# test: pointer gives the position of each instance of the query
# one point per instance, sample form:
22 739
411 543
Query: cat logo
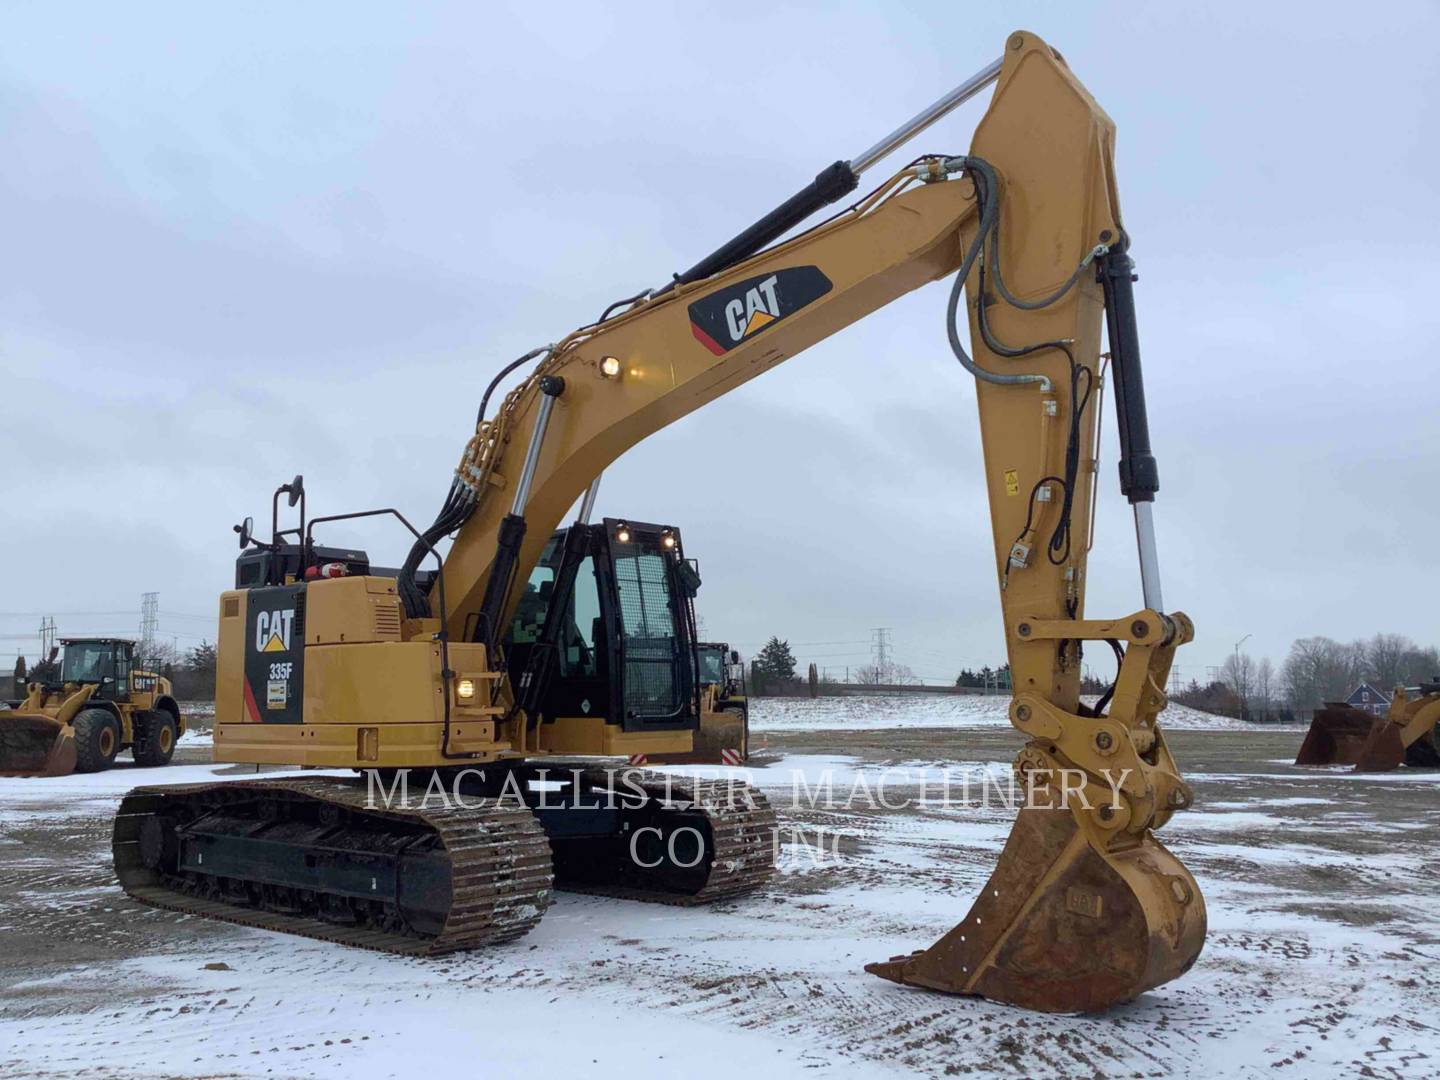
759 307
731 316
272 630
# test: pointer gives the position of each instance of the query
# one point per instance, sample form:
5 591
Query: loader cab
605 628
107 662
720 667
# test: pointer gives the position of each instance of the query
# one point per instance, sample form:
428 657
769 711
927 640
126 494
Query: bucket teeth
1062 926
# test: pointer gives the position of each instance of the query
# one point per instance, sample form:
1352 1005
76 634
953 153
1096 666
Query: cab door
652 648
122 661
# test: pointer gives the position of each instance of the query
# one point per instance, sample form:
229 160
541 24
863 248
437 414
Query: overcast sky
250 241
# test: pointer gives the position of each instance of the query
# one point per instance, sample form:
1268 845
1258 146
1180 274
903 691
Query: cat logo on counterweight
272 630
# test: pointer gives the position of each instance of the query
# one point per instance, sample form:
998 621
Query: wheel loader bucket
1064 926
1344 735
34 744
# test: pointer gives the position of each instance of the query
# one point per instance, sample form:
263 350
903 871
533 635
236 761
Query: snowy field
930 711
1323 958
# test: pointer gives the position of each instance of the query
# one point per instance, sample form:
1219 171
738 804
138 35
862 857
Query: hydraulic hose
985 189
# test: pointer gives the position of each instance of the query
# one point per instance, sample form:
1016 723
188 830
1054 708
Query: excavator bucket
1066 926
34 744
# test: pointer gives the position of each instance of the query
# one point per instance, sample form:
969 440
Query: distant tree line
986 678
1315 671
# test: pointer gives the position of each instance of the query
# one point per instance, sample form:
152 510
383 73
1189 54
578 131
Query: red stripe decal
250 706
706 340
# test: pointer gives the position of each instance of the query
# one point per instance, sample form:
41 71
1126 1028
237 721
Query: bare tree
1385 656
1320 669
870 675
1265 685
1419 666
903 675
1238 673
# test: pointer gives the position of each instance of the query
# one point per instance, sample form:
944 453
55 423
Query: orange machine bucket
34 744
1066 926
1344 735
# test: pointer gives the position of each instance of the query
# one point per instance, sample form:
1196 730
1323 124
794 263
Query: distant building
1368 698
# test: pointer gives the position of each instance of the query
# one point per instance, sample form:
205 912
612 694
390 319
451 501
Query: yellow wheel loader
406 675
78 715
1341 734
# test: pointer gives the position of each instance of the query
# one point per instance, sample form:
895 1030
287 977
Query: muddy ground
1323 959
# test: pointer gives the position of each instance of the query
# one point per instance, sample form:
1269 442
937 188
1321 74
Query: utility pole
1242 680
149 622
47 636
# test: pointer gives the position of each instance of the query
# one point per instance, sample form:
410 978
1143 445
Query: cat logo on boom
272 630
732 315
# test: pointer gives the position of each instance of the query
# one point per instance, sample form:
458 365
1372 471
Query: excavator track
453 877
736 819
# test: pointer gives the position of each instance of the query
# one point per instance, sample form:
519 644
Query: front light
622 533
667 539
610 367
465 689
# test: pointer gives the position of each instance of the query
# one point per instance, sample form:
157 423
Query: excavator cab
605 631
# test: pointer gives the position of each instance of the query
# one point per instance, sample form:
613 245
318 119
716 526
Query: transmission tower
47 636
880 650
149 621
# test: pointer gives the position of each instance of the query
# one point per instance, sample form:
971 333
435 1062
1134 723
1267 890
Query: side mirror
688 577
246 529
734 656
296 488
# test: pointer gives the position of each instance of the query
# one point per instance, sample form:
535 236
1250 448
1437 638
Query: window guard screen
648 623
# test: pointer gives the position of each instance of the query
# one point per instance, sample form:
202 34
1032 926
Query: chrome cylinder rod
1149 558
551 387
923 119
587 504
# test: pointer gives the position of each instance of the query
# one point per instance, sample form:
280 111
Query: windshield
712 664
87 662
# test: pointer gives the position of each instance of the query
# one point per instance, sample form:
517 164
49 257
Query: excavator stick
1062 926
34 744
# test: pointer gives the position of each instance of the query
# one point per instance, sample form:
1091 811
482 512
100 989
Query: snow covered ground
1321 960
929 711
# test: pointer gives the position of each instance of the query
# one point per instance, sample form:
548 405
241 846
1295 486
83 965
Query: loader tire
97 740
155 737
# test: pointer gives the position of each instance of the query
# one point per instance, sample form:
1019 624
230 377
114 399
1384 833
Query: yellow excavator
1341 734
404 675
